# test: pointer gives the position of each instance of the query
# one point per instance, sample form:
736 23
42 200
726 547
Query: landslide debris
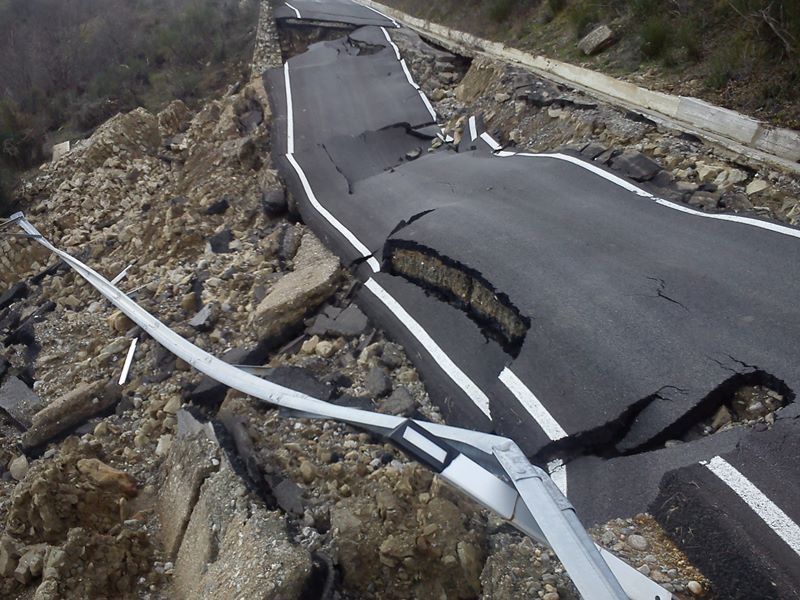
140 501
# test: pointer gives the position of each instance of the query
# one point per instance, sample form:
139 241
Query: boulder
351 322
705 200
756 186
235 548
190 461
299 292
597 40
274 201
14 293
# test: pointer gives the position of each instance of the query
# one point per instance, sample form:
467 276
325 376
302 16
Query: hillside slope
741 54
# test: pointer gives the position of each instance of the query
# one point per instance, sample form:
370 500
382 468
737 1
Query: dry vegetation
743 54
66 66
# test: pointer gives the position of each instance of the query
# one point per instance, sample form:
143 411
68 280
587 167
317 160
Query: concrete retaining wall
728 128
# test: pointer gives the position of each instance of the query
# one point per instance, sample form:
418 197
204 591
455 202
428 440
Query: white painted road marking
460 378
774 227
770 513
297 12
558 473
396 51
408 74
409 77
289 110
312 198
128 360
532 404
338 225
782 229
395 23
491 141
473 130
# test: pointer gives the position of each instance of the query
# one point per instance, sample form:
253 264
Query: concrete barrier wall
722 123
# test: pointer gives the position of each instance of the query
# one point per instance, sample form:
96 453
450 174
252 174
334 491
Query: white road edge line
408 74
774 227
440 357
289 110
460 378
558 473
427 104
312 198
396 53
532 404
395 23
770 513
409 77
128 360
297 12
348 235
473 130
733 218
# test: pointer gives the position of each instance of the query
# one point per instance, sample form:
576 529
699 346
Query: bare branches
773 16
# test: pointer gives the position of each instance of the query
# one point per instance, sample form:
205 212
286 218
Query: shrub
656 37
724 63
644 9
582 15
688 37
556 6
500 10
6 186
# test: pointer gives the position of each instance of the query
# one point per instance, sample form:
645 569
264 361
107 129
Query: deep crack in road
535 276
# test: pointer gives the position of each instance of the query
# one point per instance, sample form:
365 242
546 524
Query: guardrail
730 129
490 469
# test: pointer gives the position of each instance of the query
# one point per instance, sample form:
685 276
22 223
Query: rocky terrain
533 114
171 486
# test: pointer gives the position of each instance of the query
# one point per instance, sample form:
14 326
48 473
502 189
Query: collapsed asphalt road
549 300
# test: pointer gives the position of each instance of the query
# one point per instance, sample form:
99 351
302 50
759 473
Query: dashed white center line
766 509
491 141
531 403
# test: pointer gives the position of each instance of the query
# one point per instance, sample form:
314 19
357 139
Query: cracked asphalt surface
641 317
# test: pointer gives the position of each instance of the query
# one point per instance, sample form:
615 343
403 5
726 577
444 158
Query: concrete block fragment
82 403
191 460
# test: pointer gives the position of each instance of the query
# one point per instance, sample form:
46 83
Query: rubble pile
169 485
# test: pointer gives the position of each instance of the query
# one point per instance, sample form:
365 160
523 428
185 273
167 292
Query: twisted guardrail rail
492 470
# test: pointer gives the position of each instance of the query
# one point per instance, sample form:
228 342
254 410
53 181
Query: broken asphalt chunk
350 322
18 400
636 165
14 293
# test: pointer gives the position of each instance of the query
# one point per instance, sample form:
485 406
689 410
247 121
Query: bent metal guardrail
490 469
